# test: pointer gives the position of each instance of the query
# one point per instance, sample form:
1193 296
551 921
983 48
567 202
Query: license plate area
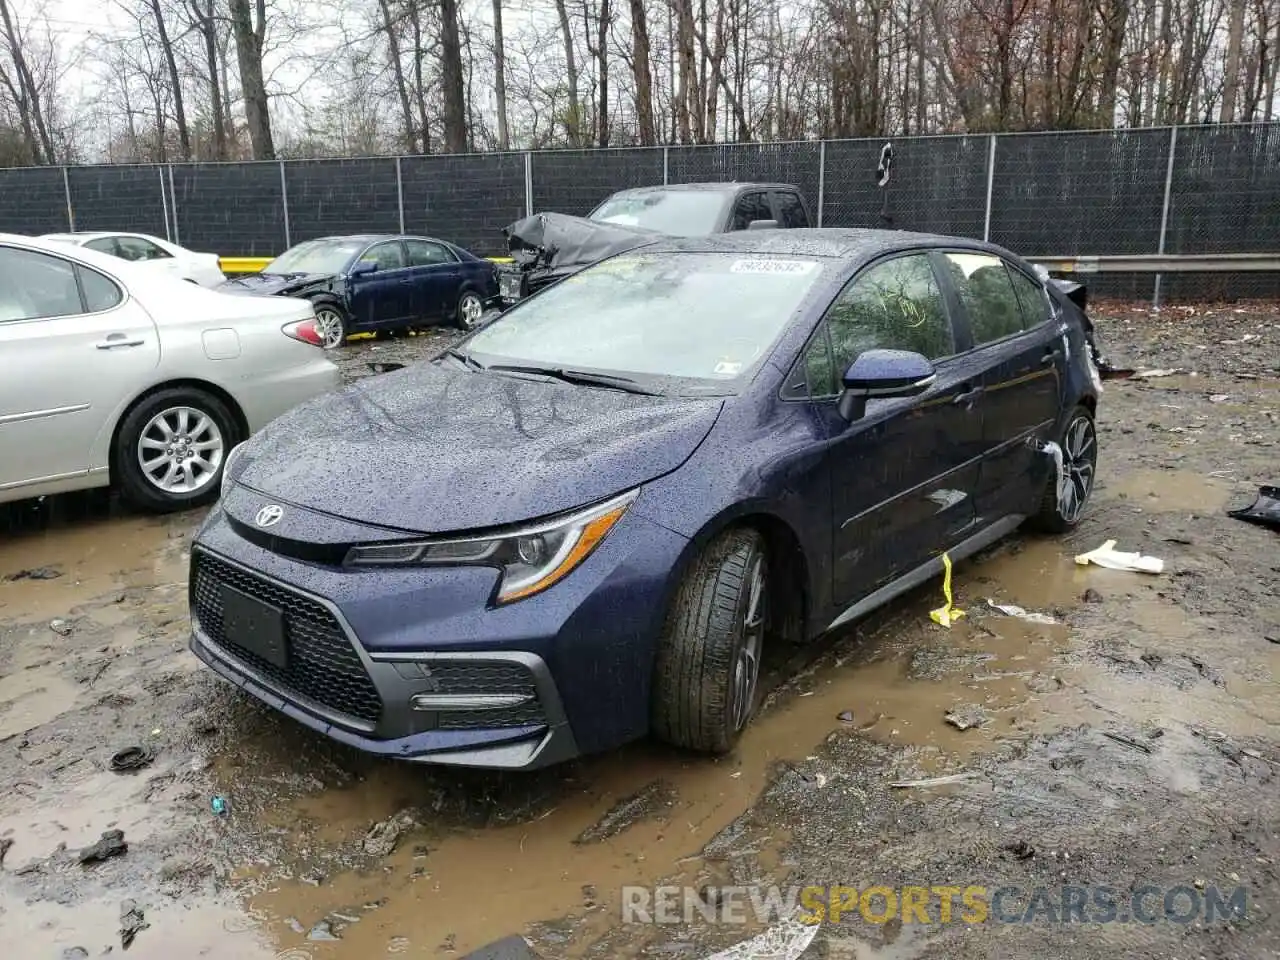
254 626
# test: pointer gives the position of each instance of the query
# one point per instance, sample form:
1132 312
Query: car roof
843 243
373 237
731 186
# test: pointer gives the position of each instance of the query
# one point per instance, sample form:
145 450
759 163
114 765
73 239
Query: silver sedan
110 374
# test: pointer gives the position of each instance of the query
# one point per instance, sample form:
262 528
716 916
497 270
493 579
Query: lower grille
322 665
485 676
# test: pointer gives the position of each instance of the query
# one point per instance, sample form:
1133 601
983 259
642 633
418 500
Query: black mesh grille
485 676
323 666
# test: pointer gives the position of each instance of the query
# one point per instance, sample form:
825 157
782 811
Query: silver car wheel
470 310
1080 455
329 327
746 670
180 450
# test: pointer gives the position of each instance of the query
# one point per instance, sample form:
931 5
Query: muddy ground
1133 741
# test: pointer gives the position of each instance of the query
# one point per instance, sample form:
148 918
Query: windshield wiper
582 377
466 359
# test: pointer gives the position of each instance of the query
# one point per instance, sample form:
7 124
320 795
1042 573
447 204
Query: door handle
967 397
115 340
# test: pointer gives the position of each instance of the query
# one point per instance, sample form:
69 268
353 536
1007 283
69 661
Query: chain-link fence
1210 189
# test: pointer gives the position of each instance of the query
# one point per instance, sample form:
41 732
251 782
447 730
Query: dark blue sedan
587 521
377 282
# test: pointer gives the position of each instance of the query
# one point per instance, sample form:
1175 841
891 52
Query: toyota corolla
588 520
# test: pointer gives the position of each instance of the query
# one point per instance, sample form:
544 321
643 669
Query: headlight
531 558
226 468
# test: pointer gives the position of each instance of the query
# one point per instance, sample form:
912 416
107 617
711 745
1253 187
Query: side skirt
929 569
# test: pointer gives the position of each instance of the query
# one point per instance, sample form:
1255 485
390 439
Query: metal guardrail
1163 263
235 265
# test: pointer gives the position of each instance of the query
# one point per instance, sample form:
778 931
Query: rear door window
750 208
424 253
791 213
982 280
36 285
1031 298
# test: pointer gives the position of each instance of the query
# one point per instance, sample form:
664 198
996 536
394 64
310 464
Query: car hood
264 284
557 240
433 450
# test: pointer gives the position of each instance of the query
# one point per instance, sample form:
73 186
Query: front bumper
427 735
412 664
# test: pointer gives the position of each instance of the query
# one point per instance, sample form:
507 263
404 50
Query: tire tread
699 643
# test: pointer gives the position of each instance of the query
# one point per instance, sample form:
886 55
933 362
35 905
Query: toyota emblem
269 515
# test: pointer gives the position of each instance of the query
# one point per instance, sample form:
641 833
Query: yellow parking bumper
235 265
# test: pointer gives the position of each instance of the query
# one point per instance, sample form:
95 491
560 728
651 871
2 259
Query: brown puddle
1181 491
94 558
474 886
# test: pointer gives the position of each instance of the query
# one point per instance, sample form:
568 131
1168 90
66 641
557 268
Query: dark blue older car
377 282
588 520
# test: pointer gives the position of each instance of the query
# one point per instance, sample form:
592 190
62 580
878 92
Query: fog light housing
468 701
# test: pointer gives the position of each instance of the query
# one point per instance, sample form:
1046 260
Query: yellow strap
949 613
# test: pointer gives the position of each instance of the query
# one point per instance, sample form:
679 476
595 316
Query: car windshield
680 322
316 256
679 213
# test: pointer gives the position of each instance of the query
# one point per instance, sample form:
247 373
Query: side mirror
763 225
363 268
883 373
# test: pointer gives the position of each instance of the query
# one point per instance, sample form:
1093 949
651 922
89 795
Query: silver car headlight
531 558
226 468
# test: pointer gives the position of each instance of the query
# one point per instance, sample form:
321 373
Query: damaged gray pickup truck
546 247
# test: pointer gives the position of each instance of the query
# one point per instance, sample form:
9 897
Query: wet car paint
442 450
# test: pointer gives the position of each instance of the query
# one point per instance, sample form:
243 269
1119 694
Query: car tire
331 324
708 661
1079 443
470 310
210 433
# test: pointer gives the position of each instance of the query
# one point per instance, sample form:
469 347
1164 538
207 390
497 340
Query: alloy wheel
746 669
470 310
1079 460
329 327
180 450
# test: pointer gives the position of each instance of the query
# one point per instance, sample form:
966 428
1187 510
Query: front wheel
331 325
1064 500
470 310
171 447
708 663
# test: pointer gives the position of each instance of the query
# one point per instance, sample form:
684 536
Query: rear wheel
708 663
171 447
1063 503
331 325
470 310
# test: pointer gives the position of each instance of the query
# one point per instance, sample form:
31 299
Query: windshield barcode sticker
759 265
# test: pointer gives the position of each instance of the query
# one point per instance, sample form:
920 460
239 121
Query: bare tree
249 25
573 117
500 77
455 109
1231 68
19 80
